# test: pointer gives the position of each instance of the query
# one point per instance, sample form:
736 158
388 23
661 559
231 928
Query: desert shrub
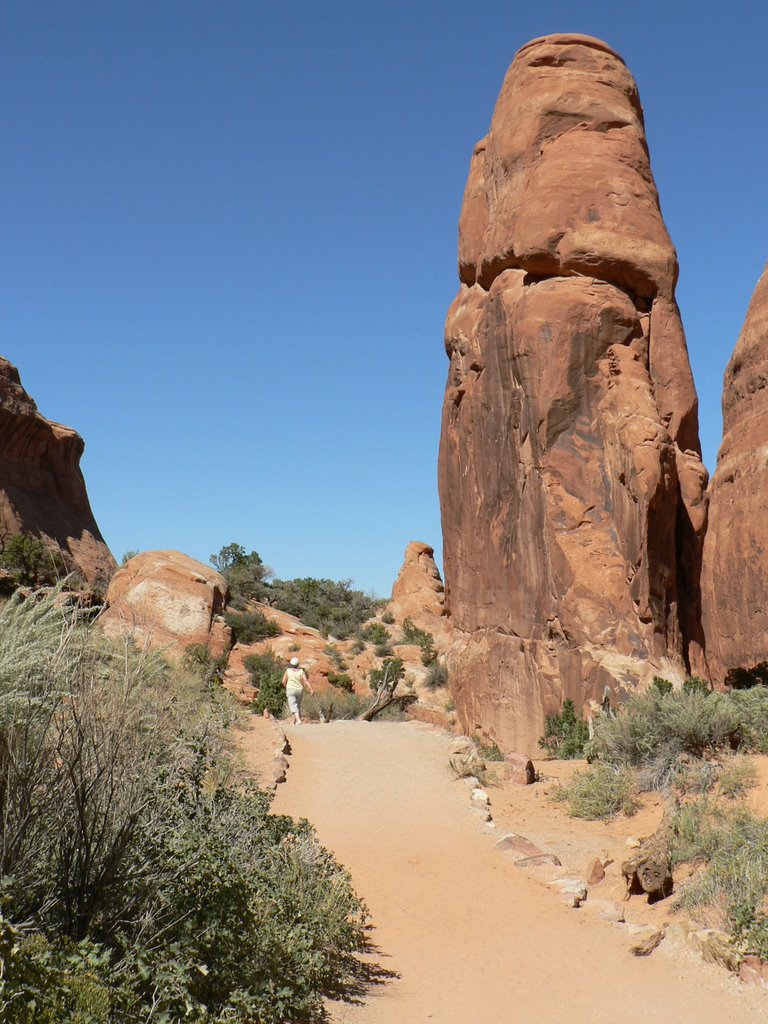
490 751
436 677
391 669
655 727
428 653
388 618
732 889
600 792
341 681
746 678
565 734
335 655
661 685
266 673
426 641
245 573
413 635
128 555
383 650
687 775
737 776
695 684
751 708
331 606
358 646
198 658
31 563
250 627
374 633
333 705
140 879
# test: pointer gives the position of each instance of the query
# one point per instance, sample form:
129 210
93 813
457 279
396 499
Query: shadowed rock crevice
563 465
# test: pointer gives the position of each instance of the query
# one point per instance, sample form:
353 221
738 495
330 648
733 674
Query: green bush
413 635
330 606
246 574
391 669
266 673
198 658
333 652
152 882
662 686
374 633
694 684
751 710
341 681
600 792
565 734
250 627
436 677
656 728
31 563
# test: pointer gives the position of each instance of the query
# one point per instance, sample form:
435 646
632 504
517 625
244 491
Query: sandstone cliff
42 491
735 574
571 483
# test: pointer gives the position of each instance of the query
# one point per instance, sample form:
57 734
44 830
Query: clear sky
229 243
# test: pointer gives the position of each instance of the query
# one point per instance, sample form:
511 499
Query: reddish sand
470 936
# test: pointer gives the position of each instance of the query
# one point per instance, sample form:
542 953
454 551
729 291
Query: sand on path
472 939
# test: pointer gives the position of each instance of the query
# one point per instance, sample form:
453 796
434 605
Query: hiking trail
464 936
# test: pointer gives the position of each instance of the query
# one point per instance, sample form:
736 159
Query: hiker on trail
293 680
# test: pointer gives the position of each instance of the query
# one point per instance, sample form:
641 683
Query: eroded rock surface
735 577
168 600
42 491
418 589
571 483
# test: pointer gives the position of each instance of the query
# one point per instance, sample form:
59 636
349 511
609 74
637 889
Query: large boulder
42 491
168 600
735 575
571 482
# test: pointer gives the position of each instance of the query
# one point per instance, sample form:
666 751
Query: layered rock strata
571 482
735 574
42 491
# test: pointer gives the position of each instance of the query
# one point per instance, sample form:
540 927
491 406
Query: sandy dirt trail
473 940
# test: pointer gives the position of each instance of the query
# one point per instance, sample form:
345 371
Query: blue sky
229 244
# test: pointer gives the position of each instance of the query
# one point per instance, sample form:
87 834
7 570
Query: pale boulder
168 600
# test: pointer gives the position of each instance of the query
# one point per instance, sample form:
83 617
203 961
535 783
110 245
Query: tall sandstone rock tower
735 574
571 482
42 490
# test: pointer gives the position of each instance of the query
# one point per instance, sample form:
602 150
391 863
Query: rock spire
571 482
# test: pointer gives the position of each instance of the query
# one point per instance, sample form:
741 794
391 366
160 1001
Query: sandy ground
464 936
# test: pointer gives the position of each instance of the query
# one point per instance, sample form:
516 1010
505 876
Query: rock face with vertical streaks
42 491
571 482
735 575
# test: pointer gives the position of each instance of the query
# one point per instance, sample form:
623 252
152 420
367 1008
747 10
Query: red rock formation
166 599
735 573
418 589
42 491
571 483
